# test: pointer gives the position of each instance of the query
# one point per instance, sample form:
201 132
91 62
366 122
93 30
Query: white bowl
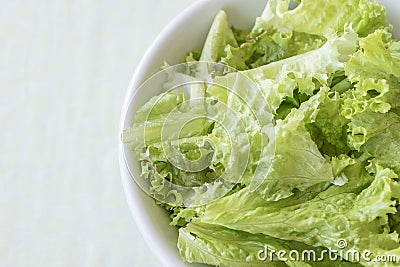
185 33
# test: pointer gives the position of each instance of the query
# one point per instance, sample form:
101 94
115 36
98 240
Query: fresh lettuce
270 46
219 37
305 72
288 137
324 17
360 218
220 246
295 146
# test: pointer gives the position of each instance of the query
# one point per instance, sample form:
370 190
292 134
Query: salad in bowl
278 144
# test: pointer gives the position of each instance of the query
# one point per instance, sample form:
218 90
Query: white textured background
64 68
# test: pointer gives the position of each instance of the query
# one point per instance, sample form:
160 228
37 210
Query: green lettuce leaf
221 246
361 219
245 201
378 135
179 123
297 163
305 72
376 58
169 116
329 130
364 16
269 46
244 124
219 36
376 69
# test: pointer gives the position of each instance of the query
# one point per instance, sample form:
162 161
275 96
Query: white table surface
64 69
